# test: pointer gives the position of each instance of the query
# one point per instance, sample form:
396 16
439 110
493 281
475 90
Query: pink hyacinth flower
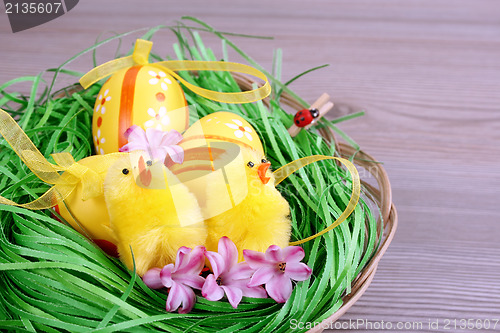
180 278
276 268
229 277
158 144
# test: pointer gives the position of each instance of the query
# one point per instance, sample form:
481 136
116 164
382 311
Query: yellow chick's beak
144 173
262 172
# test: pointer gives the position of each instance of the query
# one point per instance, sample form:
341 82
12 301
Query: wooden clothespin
308 117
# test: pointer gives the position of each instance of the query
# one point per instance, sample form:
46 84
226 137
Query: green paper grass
52 279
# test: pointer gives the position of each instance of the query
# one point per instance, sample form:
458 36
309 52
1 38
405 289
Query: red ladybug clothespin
304 117
308 117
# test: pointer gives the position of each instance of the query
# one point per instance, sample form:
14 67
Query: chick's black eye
250 164
149 163
125 171
264 160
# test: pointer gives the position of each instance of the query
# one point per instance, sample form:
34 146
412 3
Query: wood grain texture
427 73
432 282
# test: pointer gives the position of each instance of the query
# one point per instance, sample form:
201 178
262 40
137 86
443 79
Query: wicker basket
382 196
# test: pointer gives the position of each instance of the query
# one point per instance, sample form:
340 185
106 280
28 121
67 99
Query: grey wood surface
427 73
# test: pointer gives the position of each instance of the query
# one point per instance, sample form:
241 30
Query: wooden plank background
428 75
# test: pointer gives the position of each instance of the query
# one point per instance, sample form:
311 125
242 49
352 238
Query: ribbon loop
286 170
78 171
140 57
92 183
250 96
64 160
64 184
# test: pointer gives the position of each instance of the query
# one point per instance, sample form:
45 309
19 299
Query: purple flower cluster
158 144
275 269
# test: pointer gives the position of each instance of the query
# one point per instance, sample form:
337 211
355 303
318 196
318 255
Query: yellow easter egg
222 126
90 217
145 96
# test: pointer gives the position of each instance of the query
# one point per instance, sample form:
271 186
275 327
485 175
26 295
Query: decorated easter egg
222 126
145 96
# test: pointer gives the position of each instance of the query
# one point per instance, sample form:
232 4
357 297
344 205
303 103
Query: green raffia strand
52 279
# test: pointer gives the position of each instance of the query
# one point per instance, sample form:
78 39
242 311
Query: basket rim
390 222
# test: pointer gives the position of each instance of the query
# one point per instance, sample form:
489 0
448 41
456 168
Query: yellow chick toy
154 221
257 222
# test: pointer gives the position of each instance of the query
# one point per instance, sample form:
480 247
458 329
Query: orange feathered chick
145 217
257 222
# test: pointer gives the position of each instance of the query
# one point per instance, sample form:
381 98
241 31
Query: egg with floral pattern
145 96
222 126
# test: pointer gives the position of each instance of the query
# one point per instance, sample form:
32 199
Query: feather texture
257 222
154 221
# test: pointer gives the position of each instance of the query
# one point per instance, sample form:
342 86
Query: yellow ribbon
140 57
286 170
64 184
92 183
